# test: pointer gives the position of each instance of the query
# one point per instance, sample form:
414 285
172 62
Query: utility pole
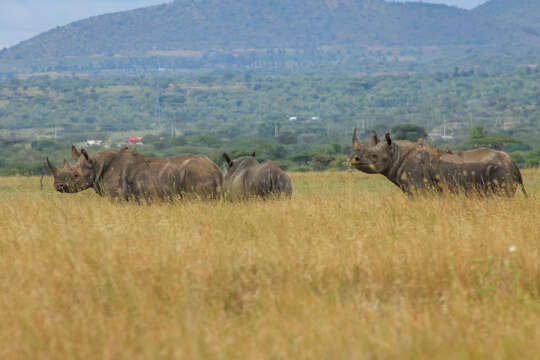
158 100
55 123
159 110
444 127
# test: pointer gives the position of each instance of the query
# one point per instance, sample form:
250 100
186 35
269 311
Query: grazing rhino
247 178
127 175
419 167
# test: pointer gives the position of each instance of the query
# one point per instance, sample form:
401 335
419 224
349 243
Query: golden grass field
349 268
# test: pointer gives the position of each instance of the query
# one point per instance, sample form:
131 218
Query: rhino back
257 180
185 175
484 170
269 180
422 167
236 185
201 177
117 174
410 169
131 175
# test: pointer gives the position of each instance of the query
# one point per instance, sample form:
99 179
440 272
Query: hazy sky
467 4
22 19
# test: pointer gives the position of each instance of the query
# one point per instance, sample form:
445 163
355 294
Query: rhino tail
276 185
519 180
523 190
516 174
285 184
273 186
218 185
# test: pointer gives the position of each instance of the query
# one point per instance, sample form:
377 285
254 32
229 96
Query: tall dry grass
348 268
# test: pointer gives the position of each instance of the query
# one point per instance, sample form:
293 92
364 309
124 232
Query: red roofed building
134 140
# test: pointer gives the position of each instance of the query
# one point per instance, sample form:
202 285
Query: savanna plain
347 268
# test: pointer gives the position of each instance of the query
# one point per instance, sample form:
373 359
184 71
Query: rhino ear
227 159
253 154
355 142
74 153
374 138
388 139
85 154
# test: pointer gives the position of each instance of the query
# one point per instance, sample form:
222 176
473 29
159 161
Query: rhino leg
501 181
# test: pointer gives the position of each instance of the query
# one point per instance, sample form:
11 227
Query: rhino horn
53 168
67 165
355 143
75 153
374 138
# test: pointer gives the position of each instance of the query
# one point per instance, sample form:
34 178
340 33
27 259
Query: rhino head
374 158
240 162
74 178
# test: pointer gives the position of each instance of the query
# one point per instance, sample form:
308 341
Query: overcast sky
467 4
23 19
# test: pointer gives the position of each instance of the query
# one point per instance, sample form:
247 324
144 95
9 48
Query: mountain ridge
523 14
203 26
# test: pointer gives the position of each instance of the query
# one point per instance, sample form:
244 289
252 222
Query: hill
524 15
236 31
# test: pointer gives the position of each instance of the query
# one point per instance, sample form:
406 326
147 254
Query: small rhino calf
247 178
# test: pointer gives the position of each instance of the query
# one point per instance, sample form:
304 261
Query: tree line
304 121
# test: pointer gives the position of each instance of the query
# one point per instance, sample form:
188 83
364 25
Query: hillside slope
522 14
230 25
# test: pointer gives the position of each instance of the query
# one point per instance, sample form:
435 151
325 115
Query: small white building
88 143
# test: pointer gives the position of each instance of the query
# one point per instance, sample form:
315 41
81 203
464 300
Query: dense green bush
409 132
478 137
231 107
150 139
313 114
